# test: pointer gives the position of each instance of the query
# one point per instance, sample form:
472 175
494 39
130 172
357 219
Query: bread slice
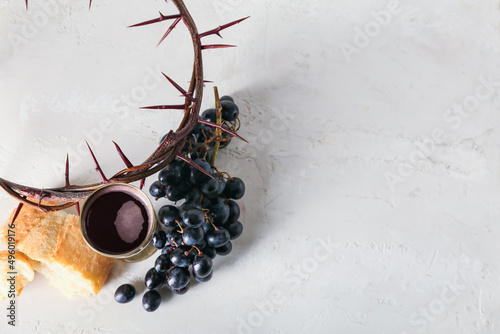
22 268
53 243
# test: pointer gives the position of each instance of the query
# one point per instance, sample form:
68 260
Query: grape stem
218 132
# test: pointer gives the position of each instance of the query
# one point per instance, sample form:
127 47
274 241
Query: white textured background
373 196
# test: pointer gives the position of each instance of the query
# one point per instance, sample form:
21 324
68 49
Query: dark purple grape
125 293
209 115
163 263
159 239
219 212
234 228
154 279
157 189
196 176
210 188
172 174
209 251
151 300
207 227
202 265
178 278
218 238
193 217
204 279
229 111
234 211
235 188
193 235
224 250
174 237
176 192
226 98
168 215
182 256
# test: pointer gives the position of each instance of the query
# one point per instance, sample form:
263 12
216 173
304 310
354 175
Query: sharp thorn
217 30
123 156
175 106
142 183
172 26
161 18
98 168
191 162
66 174
77 208
217 46
26 4
20 206
180 89
90 4
219 126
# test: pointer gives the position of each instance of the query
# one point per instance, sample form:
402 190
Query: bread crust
55 247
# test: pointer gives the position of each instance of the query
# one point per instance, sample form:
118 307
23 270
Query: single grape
219 212
207 227
210 115
234 228
225 249
226 98
151 300
157 189
193 235
234 211
229 111
193 217
182 256
172 174
196 176
168 215
209 251
218 238
159 239
210 188
176 192
174 237
163 263
235 188
202 265
154 279
178 278
125 293
204 279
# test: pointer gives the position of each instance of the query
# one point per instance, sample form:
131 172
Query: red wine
116 222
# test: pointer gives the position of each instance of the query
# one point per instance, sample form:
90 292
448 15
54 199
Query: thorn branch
217 30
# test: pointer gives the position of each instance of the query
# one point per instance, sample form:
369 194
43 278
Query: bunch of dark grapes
206 222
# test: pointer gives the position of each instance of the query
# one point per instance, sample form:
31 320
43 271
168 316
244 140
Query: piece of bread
22 268
55 247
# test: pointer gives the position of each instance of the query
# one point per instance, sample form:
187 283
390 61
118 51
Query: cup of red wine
118 220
